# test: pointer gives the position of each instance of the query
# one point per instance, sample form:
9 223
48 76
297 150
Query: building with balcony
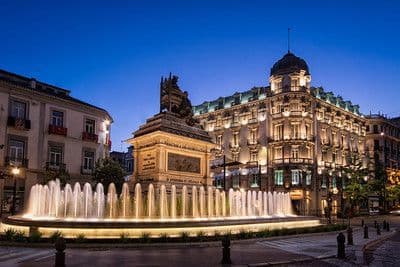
383 144
44 128
287 136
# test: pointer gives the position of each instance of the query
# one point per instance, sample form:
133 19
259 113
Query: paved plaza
302 250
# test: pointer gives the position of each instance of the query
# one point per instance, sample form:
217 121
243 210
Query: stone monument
171 147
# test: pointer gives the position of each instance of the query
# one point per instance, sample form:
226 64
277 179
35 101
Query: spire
288 40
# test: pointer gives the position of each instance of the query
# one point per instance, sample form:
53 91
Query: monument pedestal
169 151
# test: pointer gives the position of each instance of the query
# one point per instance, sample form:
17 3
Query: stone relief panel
182 163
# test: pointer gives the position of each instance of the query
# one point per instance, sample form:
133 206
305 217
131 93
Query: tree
393 194
109 171
356 188
60 174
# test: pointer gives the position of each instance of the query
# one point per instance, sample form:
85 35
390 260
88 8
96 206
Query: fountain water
51 201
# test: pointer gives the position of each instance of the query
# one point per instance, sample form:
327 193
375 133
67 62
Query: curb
299 260
377 241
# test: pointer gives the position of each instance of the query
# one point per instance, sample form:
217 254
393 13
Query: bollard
226 250
362 222
60 254
378 229
350 236
384 224
375 224
387 226
366 231
341 254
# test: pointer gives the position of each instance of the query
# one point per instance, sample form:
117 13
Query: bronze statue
173 100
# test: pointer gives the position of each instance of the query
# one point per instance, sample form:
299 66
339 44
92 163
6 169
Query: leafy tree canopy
109 171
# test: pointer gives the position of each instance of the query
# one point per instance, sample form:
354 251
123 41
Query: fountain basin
154 228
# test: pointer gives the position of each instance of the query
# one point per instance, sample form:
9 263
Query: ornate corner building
286 137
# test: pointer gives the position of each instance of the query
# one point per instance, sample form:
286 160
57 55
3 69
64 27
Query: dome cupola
289 63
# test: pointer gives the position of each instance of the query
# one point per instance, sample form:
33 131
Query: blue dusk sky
113 53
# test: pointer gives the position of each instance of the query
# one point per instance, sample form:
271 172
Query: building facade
383 144
288 136
125 159
46 131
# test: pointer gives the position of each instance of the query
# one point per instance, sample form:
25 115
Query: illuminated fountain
51 202
100 214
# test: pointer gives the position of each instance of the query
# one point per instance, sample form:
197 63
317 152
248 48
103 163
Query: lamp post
14 171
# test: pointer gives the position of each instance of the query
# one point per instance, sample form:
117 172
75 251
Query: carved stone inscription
148 161
181 163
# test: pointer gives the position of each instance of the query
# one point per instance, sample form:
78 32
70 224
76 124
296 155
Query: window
278 132
90 126
88 159
55 155
296 177
278 152
57 118
254 180
295 84
323 182
334 157
278 177
235 181
253 157
18 109
236 139
375 127
308 178
295 131
219 139
295 152
16 150
219 183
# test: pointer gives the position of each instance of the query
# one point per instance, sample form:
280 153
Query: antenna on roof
288 40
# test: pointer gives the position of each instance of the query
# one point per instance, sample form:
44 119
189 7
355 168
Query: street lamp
14 171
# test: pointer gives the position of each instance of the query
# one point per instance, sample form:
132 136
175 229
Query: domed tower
290 73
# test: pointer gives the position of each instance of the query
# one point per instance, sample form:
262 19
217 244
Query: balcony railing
59 130
55 166
91 137
293 161
17 162
18 123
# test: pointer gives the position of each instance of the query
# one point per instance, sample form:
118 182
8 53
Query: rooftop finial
288 40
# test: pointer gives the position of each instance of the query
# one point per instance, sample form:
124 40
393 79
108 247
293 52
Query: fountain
99 214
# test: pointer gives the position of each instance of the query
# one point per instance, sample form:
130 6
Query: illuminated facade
288 137
45 130
383 140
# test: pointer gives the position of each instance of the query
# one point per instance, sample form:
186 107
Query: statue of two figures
174 100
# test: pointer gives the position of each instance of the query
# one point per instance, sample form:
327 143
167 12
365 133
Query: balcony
18 123
90 137
293 161
17 162
58 130
55 166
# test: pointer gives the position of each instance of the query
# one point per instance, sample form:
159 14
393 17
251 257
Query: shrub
19 236
201 236
55 235
124 238
145 237
217 235
242 234
80 238
164 237
35 236
184 236
9 234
